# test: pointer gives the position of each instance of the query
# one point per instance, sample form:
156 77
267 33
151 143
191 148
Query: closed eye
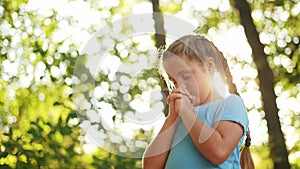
186 76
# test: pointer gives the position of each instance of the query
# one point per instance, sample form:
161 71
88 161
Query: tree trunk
160 40
160 33
277 145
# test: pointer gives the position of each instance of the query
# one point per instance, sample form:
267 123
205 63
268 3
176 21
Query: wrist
171 119
188 117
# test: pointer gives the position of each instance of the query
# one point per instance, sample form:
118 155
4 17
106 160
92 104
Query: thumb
172 110
172 107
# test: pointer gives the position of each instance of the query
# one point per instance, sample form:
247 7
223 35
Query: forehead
177 64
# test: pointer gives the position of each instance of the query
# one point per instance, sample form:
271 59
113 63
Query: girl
203 129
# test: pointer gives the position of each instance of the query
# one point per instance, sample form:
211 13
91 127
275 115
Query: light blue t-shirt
185 155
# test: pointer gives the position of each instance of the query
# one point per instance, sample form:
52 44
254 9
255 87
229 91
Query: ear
210 64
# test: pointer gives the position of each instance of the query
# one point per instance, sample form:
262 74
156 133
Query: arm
156 154
216 143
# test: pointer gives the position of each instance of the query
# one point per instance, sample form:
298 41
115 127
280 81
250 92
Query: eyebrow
179 73
183 71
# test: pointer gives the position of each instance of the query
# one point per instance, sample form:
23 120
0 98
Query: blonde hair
198 47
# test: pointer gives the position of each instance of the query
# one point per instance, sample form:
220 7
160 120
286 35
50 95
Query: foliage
282 48
39 123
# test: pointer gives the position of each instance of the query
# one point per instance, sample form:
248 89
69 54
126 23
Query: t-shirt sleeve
235 110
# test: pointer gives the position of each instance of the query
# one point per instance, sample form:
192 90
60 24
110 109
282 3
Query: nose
183 86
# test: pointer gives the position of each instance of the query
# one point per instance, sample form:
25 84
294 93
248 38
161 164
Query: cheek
194 86
201 86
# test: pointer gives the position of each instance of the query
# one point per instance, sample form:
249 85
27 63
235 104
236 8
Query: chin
198 103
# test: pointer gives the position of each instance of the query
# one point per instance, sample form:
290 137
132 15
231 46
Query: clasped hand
180 102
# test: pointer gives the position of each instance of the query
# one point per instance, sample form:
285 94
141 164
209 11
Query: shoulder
234 103
235 110
234 99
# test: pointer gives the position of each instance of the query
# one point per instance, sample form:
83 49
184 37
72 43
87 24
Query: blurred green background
40 44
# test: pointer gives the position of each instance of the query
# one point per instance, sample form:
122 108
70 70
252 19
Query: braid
229 80
246 160
228 77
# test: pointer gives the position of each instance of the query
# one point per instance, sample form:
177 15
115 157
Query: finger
184 89
193 100
172 108
172 97
190 97
186 92
179 90
168 99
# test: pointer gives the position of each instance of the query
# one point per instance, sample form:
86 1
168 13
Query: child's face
188 74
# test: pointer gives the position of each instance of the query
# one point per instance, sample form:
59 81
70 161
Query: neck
216 95
213 95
